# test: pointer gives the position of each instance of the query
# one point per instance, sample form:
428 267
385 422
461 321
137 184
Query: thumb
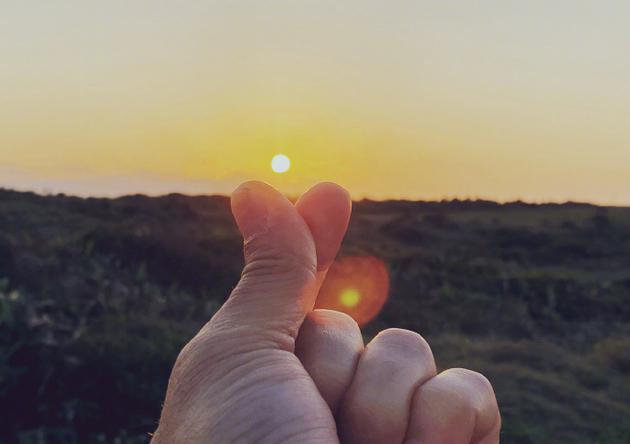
279 282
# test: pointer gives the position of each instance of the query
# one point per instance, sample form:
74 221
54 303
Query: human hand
267 368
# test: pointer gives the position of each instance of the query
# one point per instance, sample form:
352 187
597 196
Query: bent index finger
329 345
326 209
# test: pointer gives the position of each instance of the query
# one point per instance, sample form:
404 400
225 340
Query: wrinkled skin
267 368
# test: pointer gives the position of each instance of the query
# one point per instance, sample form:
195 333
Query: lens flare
350 297
356 285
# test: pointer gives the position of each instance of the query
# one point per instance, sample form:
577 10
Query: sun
280 163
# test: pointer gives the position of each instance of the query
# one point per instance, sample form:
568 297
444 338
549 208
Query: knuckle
338 319
473 395
474 379
405 341
454 402
467 390
463 397
402 349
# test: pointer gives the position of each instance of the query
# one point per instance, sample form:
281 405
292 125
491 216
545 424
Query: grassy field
97 296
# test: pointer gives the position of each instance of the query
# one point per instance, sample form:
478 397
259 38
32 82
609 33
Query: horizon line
293 197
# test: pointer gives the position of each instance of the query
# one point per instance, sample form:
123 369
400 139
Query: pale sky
415 99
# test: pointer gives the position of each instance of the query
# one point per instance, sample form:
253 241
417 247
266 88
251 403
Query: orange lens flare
356 285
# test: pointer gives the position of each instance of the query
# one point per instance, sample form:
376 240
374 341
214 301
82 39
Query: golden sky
415 99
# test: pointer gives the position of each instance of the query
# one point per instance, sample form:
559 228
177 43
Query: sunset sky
392 99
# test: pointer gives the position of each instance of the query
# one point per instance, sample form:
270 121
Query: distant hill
98 295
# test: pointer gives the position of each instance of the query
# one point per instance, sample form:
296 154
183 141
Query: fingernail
250 210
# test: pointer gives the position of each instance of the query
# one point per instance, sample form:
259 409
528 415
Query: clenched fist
267 368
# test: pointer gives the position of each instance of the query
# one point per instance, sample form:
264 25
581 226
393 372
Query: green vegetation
97 296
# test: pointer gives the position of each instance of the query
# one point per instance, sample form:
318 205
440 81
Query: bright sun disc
280 163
